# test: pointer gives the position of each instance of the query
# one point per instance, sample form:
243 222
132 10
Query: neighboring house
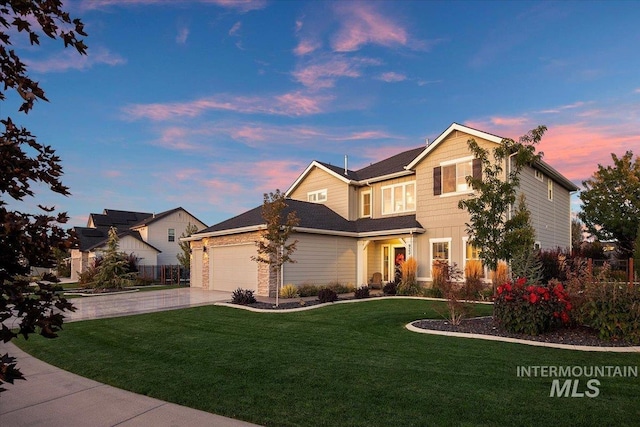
153 238
357 223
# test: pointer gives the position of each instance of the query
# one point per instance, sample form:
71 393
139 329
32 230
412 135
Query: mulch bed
577 335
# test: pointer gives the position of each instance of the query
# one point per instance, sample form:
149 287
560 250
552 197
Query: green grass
348 364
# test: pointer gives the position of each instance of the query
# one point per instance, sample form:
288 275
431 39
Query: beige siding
157 235
322 259
440 215
550 218
146 255
338 193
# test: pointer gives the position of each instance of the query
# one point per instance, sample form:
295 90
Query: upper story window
399 198
365 204
539 175
319 196
451 177
550 189
171 235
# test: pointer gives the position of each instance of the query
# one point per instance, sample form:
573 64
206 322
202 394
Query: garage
231 267
196 268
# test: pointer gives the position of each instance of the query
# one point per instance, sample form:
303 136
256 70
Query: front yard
348 364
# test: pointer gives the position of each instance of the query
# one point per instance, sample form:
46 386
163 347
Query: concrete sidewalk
53 397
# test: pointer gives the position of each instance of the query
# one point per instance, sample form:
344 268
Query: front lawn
348 364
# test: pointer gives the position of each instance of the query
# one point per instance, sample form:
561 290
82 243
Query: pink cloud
392 77
372 134
71 60
288 104
362 24
306 47
112 173
177 138
323 73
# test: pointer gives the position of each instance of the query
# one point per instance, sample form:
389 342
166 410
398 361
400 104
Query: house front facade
357 223
152 238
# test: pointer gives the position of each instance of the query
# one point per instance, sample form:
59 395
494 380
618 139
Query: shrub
144 281
501 275
390 289
439 274
308 290
327 295
613 309
531 309
457 293
289 291
339 288
243 296
473 271
409 283
553 265
362 292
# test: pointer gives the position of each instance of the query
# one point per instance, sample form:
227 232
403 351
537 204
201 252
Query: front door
392 257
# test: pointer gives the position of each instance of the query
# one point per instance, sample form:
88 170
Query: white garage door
231 267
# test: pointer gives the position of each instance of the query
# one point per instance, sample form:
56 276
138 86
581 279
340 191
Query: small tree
520 237
496 193
184 258
576 235
274 247
114 270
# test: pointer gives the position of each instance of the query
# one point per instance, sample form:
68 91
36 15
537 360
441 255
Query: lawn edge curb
632 349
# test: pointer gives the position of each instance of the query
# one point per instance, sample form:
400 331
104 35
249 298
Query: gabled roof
122 220
157 217
541 165
94 238
454 127
314 218
385 169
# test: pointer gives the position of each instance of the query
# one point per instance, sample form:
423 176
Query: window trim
439 189
550 190
539 175
438 240
392 187
171 235
317 193
362 195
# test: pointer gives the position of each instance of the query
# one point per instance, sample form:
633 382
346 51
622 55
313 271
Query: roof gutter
200 236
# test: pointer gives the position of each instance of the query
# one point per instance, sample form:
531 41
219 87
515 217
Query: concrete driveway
99 307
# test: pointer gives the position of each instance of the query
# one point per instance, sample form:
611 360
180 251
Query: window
550 189
172 235
472 256
451 177
319 196
440 251
399 198
365 204
539 175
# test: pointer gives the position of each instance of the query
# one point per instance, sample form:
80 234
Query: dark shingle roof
391 165
92 238
122 220
317 217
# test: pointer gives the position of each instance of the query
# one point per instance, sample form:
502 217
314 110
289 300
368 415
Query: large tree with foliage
611 202
28 239
274 247
495 193
520 237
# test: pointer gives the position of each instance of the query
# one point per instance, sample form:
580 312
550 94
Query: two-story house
152 238
356 223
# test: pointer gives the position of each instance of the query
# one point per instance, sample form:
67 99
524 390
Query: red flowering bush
531 309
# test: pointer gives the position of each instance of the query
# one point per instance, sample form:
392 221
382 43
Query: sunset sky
209 104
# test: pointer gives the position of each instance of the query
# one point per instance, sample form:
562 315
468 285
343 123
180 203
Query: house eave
200 236
400 174
306 172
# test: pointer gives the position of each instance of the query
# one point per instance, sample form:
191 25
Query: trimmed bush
243 297
390 289
308 290
531 309
339 288
327 295
362 292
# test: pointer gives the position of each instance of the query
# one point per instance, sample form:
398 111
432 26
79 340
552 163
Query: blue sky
209 104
